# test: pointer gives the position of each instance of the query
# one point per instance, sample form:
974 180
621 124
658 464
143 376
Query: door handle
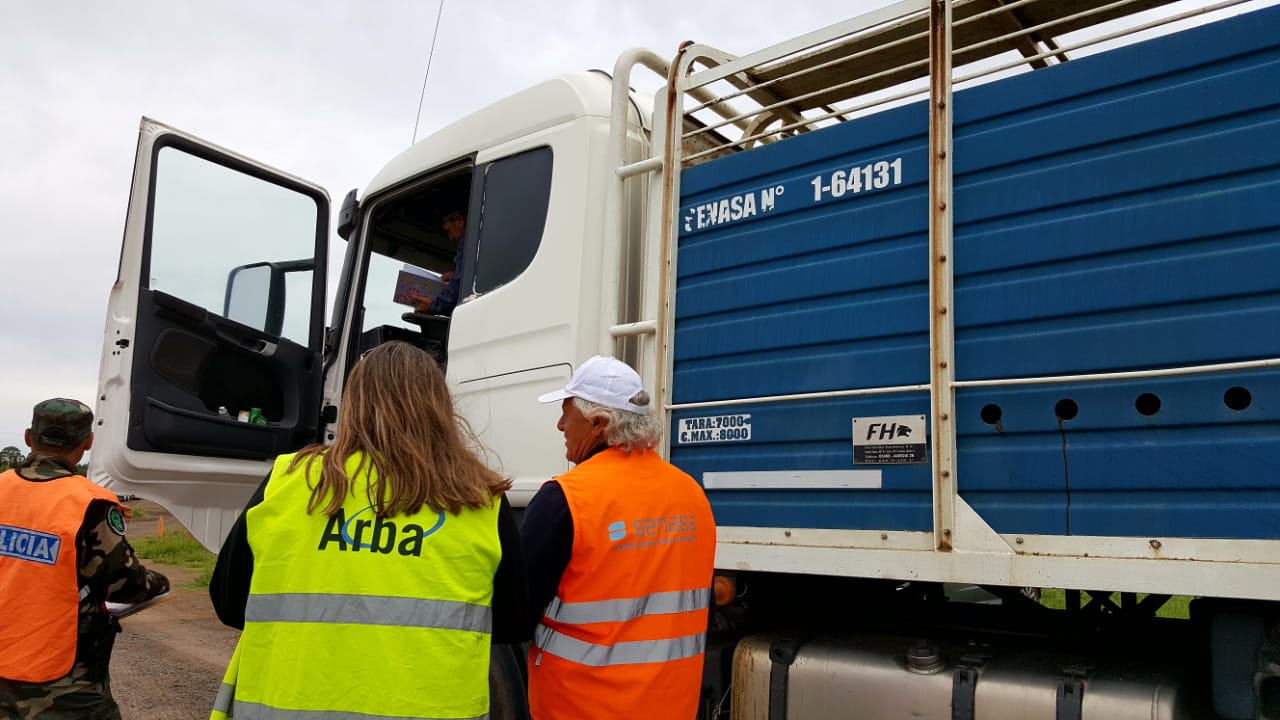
245 342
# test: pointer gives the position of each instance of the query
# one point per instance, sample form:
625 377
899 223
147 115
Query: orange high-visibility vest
627 628
39 580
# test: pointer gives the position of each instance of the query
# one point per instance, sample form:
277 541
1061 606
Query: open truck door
212 354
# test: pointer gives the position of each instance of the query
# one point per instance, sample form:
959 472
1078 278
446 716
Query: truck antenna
430 54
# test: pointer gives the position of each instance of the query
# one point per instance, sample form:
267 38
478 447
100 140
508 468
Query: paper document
416 287
120 610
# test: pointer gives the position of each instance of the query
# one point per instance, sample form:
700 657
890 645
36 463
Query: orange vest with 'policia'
39 581
628 623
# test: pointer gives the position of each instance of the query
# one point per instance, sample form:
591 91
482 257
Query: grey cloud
324 89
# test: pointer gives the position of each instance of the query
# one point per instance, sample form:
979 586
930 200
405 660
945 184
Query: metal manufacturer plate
889 440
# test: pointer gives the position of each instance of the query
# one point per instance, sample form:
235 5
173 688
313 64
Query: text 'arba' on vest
377 535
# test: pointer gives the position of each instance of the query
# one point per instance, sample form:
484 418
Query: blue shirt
447 300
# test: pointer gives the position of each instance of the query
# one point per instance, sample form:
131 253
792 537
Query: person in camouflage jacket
107 567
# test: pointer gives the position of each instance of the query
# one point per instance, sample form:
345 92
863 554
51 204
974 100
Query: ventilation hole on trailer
1237 398
1066 409
1148 404
990 414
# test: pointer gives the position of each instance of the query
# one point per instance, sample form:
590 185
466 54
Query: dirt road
169 660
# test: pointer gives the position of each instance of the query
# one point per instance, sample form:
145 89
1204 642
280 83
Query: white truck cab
217 309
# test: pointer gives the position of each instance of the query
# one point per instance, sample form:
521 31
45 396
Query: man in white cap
620 554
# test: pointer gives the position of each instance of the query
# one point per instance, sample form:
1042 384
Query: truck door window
409 250
210 228
505 213
515 195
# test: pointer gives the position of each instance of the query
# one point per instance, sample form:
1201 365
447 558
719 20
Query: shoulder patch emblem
115 521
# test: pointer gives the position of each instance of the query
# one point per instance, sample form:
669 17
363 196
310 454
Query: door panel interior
197 364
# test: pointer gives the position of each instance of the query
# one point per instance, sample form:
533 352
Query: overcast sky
325 89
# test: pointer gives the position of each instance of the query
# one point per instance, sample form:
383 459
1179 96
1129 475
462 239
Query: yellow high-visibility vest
361 617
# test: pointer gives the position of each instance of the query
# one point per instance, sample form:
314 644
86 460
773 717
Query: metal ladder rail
617 215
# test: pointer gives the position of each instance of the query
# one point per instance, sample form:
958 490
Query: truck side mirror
255 294
348 215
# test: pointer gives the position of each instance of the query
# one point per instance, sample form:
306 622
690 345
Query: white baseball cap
605 381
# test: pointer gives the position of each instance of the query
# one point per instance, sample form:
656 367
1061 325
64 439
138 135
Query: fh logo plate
891 440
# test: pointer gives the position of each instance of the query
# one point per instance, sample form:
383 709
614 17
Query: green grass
1177 606
138 514
177 547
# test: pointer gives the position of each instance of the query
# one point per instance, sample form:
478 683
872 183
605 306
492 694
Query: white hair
627 430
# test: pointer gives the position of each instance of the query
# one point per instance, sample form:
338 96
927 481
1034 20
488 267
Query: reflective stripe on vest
222 702
631 652
661 603
227 690
255 711
368 610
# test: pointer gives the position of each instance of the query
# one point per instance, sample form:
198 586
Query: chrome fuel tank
881 677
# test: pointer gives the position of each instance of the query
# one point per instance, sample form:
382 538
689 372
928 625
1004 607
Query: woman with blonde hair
371 576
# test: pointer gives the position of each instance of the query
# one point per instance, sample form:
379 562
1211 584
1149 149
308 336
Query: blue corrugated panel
1118 212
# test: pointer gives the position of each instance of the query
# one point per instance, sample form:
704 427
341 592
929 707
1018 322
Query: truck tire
507 696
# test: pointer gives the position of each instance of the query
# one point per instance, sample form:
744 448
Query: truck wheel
507 696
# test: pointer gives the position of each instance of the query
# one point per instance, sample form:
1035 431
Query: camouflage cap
61 422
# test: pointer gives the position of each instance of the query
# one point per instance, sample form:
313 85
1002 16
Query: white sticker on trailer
793 480
714 428
889 440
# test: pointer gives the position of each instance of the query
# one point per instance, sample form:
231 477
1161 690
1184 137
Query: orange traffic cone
160 528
